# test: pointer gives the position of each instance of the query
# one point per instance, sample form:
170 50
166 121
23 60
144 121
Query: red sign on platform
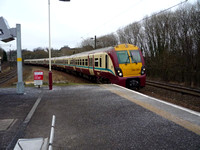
38 75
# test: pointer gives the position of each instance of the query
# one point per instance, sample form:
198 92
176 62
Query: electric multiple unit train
123 65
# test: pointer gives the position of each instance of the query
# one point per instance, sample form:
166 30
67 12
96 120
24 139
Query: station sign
38 78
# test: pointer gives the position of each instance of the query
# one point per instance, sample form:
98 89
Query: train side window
86 62
83 62
106 61
96 62
100 62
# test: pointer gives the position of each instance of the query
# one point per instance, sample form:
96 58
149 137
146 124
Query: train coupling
133 84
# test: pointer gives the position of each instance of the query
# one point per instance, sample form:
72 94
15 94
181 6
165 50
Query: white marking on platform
5 124
30 114
170 104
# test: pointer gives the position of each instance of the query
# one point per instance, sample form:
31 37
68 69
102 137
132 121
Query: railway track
175 88
4 77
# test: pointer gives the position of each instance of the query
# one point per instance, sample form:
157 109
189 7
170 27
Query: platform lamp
50 73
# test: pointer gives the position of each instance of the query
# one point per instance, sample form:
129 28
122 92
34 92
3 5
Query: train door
91 64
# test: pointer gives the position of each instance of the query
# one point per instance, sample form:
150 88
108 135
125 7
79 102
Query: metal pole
95 42
50 73
52 133
20 83
0 64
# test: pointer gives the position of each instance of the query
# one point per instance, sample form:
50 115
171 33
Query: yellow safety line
186 124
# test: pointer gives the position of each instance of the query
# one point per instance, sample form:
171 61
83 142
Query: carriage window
106 62
86 62
100 63
96 62
83 62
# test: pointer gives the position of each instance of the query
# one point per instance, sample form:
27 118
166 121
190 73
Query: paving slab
13 110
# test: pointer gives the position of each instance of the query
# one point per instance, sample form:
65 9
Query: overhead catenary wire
162 11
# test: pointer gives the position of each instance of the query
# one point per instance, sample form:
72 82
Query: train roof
101 50
85 53
76 55
90 52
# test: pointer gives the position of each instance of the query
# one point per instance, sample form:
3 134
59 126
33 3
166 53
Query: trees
3 55
107 40
170 42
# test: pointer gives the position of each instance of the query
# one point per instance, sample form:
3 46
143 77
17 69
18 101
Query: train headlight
119 71
143 70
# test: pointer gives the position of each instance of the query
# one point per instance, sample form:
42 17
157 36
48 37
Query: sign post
0 64
8 34
38 78
20 83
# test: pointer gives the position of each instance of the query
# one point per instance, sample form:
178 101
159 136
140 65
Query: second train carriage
123 65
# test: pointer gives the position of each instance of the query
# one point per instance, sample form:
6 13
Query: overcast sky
73 21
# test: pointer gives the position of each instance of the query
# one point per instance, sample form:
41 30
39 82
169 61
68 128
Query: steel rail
173 87
8 76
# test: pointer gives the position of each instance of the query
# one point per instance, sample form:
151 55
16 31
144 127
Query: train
122 65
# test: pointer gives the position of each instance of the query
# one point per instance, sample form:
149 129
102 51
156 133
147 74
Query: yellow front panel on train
131 69
125 47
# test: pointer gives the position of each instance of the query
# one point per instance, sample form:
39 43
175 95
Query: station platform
97 117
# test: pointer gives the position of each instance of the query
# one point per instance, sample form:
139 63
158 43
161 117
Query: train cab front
130 69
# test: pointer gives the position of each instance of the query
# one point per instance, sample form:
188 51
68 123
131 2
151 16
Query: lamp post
50 73
95 41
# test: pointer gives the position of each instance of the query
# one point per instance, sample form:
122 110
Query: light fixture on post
95 41
8 34
50 73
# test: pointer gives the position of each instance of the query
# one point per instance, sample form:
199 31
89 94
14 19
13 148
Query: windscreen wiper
134 60
127 60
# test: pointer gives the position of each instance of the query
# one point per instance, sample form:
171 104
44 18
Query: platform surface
99 117
111 117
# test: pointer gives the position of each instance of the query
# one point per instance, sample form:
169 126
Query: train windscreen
123 57
135 56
